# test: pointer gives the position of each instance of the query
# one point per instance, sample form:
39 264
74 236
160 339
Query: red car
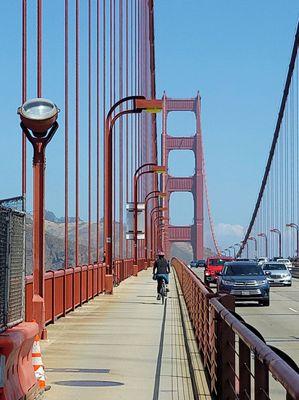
213 267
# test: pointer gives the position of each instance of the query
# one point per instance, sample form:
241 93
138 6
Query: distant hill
184 252
54 230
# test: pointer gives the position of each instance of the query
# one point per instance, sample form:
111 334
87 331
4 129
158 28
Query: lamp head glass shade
38 115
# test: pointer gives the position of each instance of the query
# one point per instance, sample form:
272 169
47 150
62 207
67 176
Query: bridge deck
125 346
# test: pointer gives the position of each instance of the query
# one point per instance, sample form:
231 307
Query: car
262 260
277 273
198 263
246 281
287 263
213 268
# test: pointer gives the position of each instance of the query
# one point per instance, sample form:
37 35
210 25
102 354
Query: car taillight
207 273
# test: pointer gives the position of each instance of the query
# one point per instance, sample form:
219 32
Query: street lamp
151 195
275 230
234 250
139 103
152 168
159 218
39 116
255 245
237 244
247 254
154 211
295 226
228 250
262 234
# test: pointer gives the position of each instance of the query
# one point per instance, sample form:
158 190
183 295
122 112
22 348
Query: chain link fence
12 265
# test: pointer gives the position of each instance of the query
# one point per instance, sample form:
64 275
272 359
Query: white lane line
293 309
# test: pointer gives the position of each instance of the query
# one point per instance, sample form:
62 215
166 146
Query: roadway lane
278 323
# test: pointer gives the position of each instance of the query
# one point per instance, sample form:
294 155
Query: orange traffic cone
38 364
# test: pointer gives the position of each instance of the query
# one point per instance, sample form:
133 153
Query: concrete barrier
18 379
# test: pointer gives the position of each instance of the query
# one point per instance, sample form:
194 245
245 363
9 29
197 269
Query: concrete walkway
125 346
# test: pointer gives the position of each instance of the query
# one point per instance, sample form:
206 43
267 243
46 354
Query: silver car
277 273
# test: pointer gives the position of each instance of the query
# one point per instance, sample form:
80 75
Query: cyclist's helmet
161 253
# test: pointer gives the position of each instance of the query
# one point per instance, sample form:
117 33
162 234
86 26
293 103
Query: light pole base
39 311
109 284
135 270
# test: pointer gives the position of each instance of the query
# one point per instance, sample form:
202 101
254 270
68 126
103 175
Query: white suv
262 260
286 262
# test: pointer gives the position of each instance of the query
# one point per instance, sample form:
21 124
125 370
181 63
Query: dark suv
246 281
198 263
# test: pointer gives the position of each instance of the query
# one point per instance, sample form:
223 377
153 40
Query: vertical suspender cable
98 131
77 138
127 94
39 48
275 138
66 145
89 134
114 136
121 158
135 81
104 79
111 96
132 85
66 134
24 97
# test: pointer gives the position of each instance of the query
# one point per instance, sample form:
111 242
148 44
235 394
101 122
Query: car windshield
243 270
217 261
274 267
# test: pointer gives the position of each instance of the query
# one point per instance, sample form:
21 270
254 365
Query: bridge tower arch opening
193 233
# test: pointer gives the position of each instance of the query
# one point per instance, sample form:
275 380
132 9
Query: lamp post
159 218
262 234
39 116
237 244
154 211
234 250
153 168
139 103
275 230
151 195
295 226
246 244
255 245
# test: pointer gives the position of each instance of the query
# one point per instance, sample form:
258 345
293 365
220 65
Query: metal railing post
244 371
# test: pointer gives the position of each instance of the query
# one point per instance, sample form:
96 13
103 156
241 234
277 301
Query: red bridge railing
67 289
238 363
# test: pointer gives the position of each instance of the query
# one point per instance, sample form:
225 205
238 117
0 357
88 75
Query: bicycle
163 291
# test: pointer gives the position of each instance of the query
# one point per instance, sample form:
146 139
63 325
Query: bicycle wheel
163 292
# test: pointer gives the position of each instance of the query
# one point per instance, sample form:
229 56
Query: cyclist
161 270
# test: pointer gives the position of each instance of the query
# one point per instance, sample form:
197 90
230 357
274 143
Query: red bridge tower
193 184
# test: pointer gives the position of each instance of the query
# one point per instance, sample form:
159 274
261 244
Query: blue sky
236 53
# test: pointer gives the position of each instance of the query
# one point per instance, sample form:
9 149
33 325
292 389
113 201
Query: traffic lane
278 323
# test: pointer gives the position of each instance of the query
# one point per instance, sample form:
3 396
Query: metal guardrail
237 362
66 289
